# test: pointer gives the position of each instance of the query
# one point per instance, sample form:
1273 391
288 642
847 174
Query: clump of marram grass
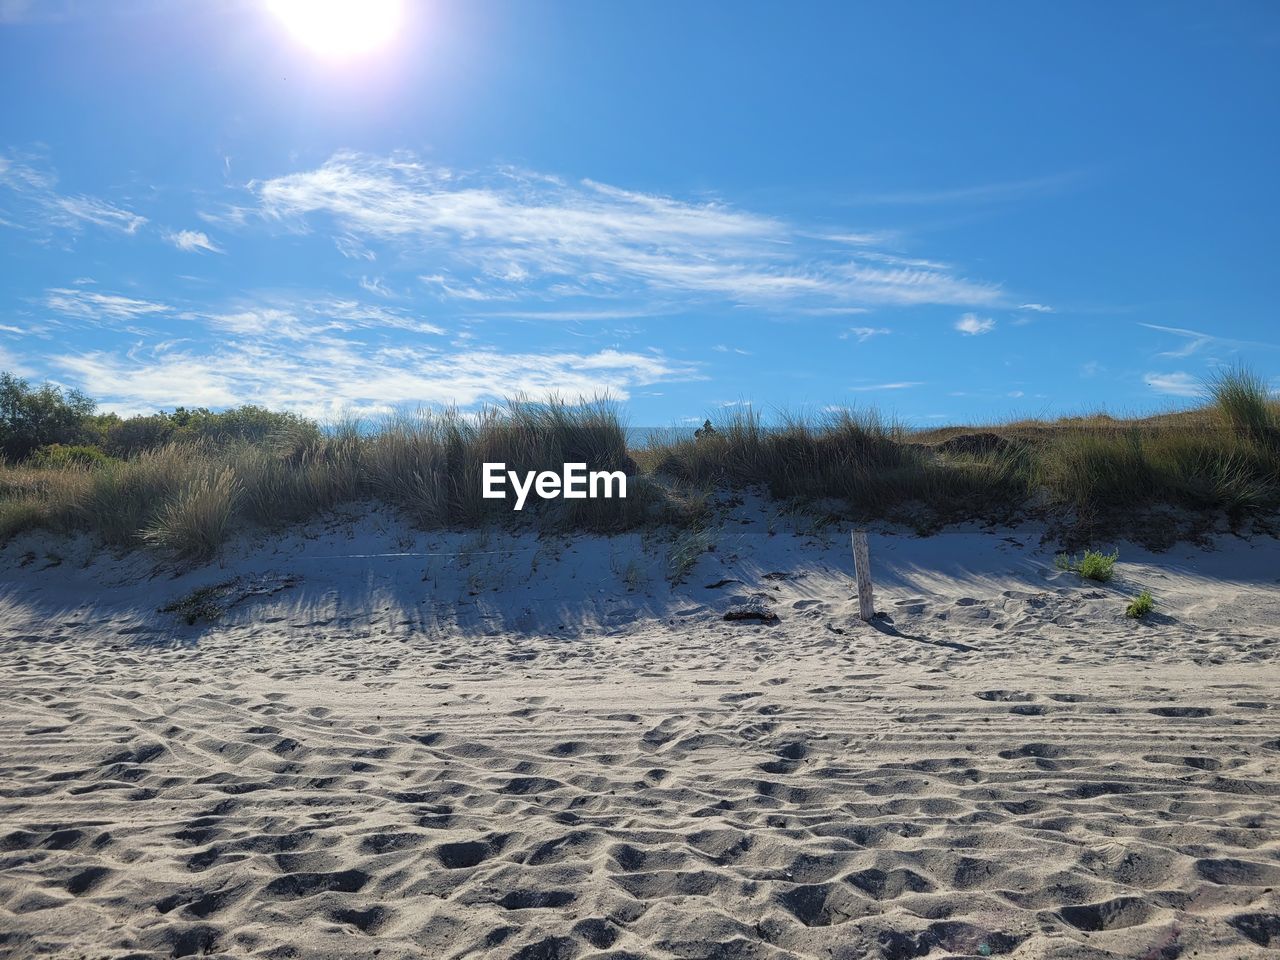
1140 606
686 548
1243 400
1092 565
870 464
431 463
196 520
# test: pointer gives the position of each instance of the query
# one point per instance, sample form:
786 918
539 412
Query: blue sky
952 212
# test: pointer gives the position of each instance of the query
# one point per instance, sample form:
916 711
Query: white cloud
974 325
10 363
621 313
1035 307
327 379
507 234
1177 384
297 318
192 241
305 319
899 385
863 334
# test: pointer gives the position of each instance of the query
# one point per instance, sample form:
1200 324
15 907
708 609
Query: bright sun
340 28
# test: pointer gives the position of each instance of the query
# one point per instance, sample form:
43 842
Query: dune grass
1087 475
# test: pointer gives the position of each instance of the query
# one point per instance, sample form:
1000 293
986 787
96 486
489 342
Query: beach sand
538 749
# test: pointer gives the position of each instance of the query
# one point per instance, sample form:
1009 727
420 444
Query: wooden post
862 569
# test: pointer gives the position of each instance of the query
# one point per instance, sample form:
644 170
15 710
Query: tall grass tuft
195 522
431 464
1243 400
124 498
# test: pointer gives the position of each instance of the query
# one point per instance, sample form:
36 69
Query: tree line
49 425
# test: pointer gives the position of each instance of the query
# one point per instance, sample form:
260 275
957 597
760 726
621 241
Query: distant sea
642 436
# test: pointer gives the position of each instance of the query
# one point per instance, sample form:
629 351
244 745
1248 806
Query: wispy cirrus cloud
1004 190
376 286
1193 341
973 325
192 241
91 305
896 385
321 356
863 334
280 317
300 318
35 203
514 233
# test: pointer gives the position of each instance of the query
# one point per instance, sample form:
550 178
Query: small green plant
1093 565
1140 605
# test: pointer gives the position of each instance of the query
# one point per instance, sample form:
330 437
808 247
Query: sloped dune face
578 760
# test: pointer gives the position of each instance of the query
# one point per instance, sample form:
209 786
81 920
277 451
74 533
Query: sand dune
417 757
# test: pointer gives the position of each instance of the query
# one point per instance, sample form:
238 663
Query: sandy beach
543 480
538 749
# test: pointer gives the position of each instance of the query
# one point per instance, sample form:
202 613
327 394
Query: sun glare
340 28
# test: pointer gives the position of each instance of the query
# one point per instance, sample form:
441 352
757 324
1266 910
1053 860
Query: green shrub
1140 605
247 424
58 455
1093 565
127 438
34 417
